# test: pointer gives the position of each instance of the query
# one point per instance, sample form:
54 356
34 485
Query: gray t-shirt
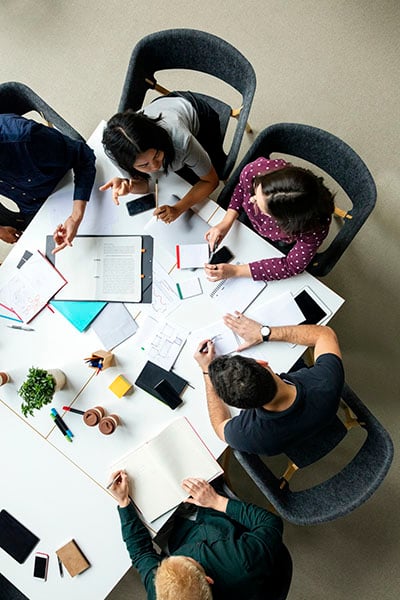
181 121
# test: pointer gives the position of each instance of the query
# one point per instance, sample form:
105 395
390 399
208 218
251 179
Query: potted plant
39 387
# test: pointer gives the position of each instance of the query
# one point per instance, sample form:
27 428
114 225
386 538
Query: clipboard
86 267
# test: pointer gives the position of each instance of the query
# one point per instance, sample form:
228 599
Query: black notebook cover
152 374
15 538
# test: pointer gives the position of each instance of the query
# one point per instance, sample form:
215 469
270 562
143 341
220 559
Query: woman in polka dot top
287 205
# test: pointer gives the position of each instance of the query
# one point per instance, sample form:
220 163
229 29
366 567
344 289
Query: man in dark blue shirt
278 410
33 160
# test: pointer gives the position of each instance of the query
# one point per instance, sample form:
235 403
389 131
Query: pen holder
4 378
100 360
93 416
109 424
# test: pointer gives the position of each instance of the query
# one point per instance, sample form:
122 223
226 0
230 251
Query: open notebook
158 468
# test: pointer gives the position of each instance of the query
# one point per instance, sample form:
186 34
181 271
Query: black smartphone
141 204
41 565
223 255
313 312
15 538
168 394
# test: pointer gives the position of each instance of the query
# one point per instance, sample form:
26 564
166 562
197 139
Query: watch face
265 332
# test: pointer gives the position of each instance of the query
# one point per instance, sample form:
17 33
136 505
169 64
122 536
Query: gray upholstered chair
343 492
335 158
18 98
197 51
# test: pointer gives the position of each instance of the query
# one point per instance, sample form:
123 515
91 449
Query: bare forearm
78 210
217 409
322 338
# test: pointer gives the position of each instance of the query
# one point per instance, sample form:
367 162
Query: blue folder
79 313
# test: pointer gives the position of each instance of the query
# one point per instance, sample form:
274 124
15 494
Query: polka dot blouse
306 244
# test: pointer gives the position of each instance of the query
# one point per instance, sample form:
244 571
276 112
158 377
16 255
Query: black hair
242 382
129 134
296 198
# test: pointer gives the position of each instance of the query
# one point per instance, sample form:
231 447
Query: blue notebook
79 313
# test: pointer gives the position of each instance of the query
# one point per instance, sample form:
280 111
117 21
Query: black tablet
15 538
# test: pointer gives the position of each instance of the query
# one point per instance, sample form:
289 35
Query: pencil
156 194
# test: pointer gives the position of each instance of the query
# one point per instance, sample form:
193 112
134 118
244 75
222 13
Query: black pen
204 346
60 567
20 327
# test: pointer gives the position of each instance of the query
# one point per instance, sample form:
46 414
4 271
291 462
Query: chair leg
342 214
288 474
225 462
156 86
350 420
235 112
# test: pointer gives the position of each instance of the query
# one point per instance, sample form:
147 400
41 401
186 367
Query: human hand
167 213
120 487
205 357
215 235
64 234
248 329
120 187
9 234
220 271
203 494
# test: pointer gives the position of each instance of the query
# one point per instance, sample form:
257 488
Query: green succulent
37 390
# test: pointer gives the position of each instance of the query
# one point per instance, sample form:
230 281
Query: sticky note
120 386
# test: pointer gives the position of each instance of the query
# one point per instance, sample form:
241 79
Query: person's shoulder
15 127
262 165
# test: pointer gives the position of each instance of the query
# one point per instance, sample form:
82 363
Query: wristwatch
265 332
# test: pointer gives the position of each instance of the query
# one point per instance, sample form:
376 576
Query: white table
35 456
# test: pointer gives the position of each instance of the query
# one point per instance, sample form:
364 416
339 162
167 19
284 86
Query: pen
20 327
214 249
10 318
61 428
204 346
113 481
156 194
62 423
74 410
60 567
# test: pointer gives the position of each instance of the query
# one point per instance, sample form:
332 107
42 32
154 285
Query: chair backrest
333 156
340 494
20 99
197 51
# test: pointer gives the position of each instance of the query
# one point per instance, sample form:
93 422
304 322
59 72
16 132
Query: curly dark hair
242 382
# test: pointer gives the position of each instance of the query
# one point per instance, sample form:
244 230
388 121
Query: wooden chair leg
342 214
156 86
288 474
225 462
235 112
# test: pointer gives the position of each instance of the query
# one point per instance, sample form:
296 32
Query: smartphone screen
168 394
313 312
223 255
40 568
141 204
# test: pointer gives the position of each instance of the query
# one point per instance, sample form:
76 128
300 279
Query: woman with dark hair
289 206
171 133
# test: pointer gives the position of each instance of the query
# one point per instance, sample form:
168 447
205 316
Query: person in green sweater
228 550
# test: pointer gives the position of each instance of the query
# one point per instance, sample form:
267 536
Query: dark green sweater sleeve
140 547
264 534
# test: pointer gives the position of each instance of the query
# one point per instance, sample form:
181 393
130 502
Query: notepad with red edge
191 256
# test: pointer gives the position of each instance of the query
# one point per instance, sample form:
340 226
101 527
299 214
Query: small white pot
59 378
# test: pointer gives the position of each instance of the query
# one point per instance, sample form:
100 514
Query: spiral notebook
236 293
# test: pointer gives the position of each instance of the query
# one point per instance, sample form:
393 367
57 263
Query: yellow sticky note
120 386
